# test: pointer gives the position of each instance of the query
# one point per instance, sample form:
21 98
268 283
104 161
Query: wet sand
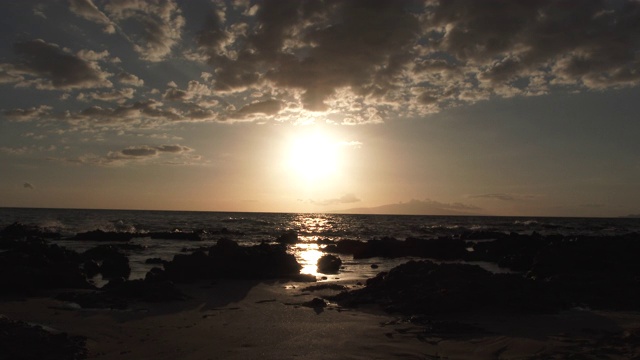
244 319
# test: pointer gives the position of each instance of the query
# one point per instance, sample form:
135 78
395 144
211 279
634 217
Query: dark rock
151 289
289 237
112 263
319 287
17 231
19 340
156 274
119 293
99 235
374 266
91 268
329 264
33 265
175 235
316 303
155 261
428 288
227 259
388 247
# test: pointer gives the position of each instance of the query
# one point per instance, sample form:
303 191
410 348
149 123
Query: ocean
253 228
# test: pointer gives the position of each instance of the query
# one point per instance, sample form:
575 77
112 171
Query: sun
313 156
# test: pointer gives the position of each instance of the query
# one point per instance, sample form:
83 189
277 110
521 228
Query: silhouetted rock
316 303
151 289
389 247
428 288
30 266
154 261
17 231
119 293
440 248
289 237
99 235
329 264
19 340
227 259
111 262
175 235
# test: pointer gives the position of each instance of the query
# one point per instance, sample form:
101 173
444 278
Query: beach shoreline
246 319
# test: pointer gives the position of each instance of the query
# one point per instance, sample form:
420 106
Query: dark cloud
139 152
138 112
28 186
268 107
177 154
420 57
47 66
359 61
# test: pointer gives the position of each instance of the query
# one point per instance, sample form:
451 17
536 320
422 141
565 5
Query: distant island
417 207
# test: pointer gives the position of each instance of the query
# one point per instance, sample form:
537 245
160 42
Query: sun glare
314 156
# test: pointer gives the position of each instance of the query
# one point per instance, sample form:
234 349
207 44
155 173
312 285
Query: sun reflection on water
308 255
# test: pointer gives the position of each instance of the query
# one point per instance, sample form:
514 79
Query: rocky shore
437 285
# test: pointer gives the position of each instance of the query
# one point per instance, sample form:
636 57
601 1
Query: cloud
503 196
268 107
159 27
148 113
23 115
195 91
46 66
176 154
119 96
347 61
28 186
89 11
345 199
129 79
419 58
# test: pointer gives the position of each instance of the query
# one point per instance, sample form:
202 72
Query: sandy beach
243 319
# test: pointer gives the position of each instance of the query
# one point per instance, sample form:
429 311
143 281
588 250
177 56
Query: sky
493 107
